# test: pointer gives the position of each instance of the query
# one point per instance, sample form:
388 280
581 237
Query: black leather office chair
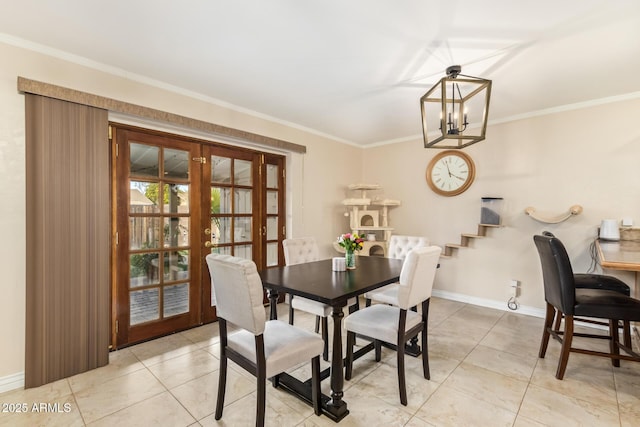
598 281
562 296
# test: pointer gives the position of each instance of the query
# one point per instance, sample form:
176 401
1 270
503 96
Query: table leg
272 294
336 406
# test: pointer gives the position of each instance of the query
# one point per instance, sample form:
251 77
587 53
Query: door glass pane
144 232
272 254
242 172
220 200
176 198
272 202
272 176
272 228
223 234
144 306
176 163
242 201
176 231
243 251
143 269
242 230
225 250
144 160
176 300
221 169
143 197
176 265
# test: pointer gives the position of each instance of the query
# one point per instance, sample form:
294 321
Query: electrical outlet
514 286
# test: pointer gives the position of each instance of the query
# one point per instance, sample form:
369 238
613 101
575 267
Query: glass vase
350 260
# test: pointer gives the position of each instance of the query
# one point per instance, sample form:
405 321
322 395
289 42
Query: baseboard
483 302
12 382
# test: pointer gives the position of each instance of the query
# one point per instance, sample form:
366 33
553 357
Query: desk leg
336 406
272 294
636 295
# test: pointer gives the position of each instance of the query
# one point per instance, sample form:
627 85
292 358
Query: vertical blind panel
67 153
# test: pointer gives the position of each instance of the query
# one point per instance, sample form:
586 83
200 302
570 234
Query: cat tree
369 217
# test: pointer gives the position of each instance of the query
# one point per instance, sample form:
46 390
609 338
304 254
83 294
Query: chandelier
455 110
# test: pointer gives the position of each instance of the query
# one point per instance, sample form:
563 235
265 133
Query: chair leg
402 384
425 354
315 384
317 324
566 346
377 345
348 371
548 320
613 343
222 381
367 302
222 375
325 338
626 333
425 344
558 321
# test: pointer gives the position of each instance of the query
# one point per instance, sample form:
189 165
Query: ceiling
352 70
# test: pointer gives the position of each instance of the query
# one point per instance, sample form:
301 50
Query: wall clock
450 173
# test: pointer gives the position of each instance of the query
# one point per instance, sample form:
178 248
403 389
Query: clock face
450 173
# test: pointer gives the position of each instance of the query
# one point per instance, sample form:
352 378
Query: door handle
207 231
208 244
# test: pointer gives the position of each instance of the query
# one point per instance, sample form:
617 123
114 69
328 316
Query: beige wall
587 156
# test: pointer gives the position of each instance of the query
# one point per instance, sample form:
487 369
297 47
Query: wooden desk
622 255
317 281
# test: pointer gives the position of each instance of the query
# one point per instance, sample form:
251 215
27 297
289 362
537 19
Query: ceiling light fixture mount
457 106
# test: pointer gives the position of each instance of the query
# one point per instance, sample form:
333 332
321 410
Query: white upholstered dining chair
297 251
399 247
395 324
264 348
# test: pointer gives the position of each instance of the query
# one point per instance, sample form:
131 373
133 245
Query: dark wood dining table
317 281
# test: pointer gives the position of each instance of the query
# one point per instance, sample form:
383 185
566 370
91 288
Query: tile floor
484 372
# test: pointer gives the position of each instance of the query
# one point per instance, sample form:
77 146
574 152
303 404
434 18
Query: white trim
483 302
12 382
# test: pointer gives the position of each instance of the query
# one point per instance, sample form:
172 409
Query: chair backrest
557 274
416 277
399 246
238 290
299 250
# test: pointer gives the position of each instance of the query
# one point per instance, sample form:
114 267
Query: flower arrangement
351 242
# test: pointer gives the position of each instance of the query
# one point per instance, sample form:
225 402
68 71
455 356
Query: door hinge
284 231
202 160
117 150
117 326
110 133
117 239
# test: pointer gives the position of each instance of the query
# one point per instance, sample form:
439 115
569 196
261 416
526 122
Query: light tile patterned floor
484 372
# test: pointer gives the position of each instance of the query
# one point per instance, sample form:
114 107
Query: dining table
318 282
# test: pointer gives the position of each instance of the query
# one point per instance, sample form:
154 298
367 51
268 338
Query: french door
177 200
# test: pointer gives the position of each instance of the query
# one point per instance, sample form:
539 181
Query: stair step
473 236
453 245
